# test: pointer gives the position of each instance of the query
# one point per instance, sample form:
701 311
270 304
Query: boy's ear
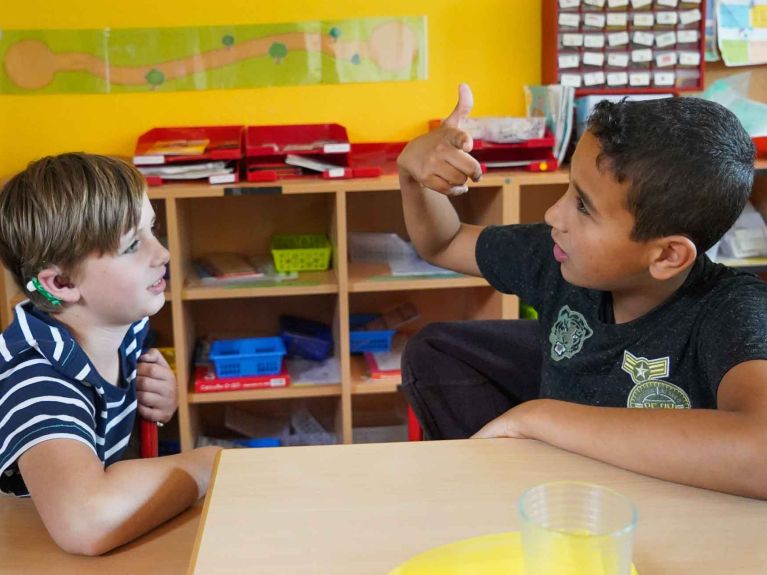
57 285
674 254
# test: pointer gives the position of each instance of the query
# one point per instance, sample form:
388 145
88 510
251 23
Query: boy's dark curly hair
689 163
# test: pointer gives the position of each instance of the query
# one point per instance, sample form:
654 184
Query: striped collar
35 329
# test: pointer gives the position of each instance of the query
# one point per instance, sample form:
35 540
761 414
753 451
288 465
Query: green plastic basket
300 252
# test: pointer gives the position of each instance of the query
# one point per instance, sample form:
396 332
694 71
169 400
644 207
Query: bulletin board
618 46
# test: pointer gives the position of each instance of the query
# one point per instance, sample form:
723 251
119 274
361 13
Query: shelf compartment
376 277
362 385
307 283
290 392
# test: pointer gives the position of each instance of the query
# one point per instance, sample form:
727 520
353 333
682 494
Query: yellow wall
492 44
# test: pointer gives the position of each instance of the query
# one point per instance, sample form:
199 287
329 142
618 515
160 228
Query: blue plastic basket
250 356
368 340
362 341
306 338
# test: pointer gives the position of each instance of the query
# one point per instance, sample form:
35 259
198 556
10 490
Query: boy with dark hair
76 233
646 355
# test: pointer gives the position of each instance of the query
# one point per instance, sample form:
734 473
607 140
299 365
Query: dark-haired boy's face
591 227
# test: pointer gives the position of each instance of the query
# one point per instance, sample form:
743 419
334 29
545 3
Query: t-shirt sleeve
517 259
37 405
733 331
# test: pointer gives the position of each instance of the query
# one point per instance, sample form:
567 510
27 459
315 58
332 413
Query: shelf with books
307 283
363 383
376 277
201 219
290 392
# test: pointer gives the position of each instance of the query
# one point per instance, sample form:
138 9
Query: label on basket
639 79
573 80
617 19
689 16
594 58
336 148
664 78
594 20
594 41
687 36
568 61
572 40
618 60
570 20
644 38
667 18
689 58
222 179
618 38
645 20
148 160
665 39
643 55
594 79
665 60
617 79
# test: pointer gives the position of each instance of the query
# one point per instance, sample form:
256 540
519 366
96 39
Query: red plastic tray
368 160
296 139
225 143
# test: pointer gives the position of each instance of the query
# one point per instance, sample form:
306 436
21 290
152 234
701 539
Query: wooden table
27 549
359 509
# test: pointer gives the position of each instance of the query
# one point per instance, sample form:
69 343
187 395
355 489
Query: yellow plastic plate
498 553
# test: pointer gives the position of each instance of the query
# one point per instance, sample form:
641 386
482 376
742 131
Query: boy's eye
581 206
132 248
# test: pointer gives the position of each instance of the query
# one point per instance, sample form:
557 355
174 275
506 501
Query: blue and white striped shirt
49 389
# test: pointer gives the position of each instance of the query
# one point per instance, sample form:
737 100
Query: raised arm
432 167
90 510
723 449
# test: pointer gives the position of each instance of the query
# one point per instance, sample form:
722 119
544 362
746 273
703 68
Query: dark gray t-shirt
673 357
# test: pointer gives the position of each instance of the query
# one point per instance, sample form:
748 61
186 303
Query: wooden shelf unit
198 219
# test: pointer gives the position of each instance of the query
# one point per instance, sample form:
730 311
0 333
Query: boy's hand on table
440 160
508 424
155 387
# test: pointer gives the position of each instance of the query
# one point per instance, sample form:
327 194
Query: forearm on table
143 493
715 449
89 509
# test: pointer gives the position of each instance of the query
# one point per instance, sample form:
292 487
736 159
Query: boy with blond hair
646 355
76 233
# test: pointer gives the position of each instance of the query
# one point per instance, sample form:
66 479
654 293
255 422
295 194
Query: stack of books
206 381
384 365
210 154
233 269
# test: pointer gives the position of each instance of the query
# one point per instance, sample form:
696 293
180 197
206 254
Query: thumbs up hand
440 160
462 108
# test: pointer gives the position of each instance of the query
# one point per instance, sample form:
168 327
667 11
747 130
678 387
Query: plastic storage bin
300 252
368 340
306 338
250 356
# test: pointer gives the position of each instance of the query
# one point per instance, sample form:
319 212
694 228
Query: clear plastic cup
576 528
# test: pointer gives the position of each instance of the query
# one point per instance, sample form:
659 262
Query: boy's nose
551 217
162 255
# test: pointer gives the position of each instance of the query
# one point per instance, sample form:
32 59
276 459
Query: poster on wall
212 57
742 31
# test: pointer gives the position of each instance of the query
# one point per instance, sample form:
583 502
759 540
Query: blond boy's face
591 227
120 288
